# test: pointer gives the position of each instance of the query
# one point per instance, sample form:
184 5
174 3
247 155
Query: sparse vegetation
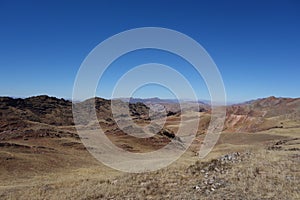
260 174
41 160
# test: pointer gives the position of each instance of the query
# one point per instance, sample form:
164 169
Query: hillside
42 156
49 117
36 116
262 114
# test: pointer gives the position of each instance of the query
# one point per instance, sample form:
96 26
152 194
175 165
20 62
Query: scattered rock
211 171
197 187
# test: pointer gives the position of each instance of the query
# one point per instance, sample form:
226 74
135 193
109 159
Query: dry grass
264 174
43 158
70 172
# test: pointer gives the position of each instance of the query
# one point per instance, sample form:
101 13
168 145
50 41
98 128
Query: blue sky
255 44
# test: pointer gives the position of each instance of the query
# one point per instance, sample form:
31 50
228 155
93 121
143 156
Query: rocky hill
42 157
262 114
42 115
43 109
36 116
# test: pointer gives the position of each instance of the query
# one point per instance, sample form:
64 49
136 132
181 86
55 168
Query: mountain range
34 116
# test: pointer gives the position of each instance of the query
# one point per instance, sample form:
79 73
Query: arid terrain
256 157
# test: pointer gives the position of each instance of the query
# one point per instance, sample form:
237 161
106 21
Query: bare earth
44 160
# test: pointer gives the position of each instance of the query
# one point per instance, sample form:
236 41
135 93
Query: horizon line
205 101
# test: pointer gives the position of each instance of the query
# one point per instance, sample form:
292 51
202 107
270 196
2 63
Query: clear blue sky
255 44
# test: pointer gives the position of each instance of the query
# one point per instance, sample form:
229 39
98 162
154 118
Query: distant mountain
171 105
148 100
262 114
37 116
